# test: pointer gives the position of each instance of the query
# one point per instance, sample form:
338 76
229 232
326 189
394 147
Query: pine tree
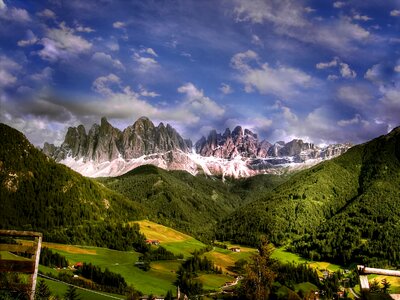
259 277
42 291
71 293
385 286
169 296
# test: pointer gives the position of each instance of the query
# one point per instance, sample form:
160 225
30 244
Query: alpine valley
337 204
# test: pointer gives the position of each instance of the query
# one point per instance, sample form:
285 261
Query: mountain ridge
108 151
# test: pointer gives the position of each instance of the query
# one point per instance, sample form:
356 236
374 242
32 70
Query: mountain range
108 151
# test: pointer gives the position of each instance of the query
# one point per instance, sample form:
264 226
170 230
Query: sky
324 71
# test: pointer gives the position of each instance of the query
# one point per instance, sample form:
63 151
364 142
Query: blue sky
325 71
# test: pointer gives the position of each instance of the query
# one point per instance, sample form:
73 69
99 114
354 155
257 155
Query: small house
153 242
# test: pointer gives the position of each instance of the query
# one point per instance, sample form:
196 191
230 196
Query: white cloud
356 96
395 13
14 14
332 77
62 43
356 120
281 81
288 18
102 84
309 9
149 51
2 5
146 64
278 12
339 4
324 65
145 93
106 60
375 74
359 17
226 89
47 13
113 46
8 71
389 106
31 39
255 39
346 72
198 103
86 29
119 25
44 76
281 13
397 68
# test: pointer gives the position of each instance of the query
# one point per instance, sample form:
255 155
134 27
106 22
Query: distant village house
235 249
153 242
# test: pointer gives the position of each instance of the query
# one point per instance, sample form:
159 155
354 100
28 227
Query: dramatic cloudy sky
325 71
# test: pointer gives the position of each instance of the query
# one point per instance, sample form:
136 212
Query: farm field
287 257
59 289
158 280
171 239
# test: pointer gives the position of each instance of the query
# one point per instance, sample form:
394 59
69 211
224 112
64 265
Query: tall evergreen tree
71 293
42 291
169 296
259 277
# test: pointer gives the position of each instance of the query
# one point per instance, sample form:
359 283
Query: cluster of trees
266 278
160 253
110 281
52 259
113 235
190 269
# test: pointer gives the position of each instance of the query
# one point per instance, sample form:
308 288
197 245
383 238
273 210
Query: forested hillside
38 194
177 199
344 209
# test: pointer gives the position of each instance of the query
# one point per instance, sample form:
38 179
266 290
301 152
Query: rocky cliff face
231 144
105 143
246 144
108 151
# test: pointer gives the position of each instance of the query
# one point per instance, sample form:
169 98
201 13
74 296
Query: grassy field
224 257
394 281
172 240
211 281
158 280
59 289
287 257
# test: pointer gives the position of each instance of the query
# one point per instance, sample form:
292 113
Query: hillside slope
37 193
177 199
346 208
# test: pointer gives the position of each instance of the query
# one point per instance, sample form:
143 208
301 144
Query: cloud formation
62 43
281 81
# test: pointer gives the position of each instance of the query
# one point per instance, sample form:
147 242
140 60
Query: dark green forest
38 194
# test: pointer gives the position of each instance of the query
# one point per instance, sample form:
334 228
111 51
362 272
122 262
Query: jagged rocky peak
295 147
230 144
107 143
